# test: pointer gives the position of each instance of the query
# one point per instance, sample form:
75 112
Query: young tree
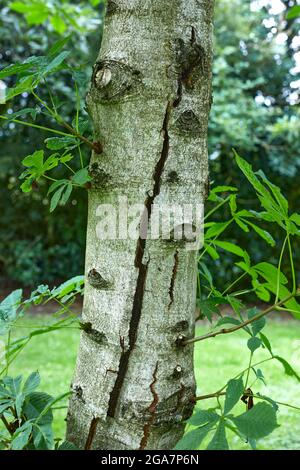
149 100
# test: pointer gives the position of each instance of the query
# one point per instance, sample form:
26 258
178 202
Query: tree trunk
149 101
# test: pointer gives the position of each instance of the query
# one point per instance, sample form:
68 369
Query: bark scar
173 278
152 410
91 434
142 268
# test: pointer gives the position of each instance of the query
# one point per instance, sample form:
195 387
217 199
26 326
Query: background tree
254 79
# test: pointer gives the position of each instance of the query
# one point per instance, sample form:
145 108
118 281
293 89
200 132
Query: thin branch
36 126
241 325
210 395
218 394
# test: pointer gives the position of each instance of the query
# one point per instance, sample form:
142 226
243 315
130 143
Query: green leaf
263 234
13 385
21 436
24 85
67 193
31 383
228 321
270 273
19 404
232 204
35 160
257 325
66 445
74 284
56 185
276 191
211 251
209 307
234 391
58 46
26 186
253 343
231 247
293 12
259 374
223 189
295 218
215 229
43 436
8 309
246 168
58 23
55 198
22 112
81 177
192 439
57 143
258 422
35 404
266 343
203 417
56 62
270 400
219 440
288 369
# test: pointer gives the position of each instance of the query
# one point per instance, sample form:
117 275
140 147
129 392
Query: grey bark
149 100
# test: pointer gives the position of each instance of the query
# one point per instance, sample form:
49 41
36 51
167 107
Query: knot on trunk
172 177
99 177
188 123
96 280
191 60
94 335
111 8
112 81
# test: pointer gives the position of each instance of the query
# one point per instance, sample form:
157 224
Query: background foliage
255 111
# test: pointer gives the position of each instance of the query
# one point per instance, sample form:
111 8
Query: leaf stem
241 325
36 126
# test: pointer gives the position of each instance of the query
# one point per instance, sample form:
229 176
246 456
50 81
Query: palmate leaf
201 417
35 404
193 439
219 440
209 307
234 391
258 422
21 436
43 438
9 309
288 369
75 284
257 325
253 343
31 383
66 445
58 143
269 196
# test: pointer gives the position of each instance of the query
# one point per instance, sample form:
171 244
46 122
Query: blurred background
255 110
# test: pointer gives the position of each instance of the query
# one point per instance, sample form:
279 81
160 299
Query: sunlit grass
216 360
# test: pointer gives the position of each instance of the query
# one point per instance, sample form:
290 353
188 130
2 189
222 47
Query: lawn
216 360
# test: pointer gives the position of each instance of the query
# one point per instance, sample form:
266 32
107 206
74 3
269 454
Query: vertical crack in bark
152 410
143 268
91 434
173 278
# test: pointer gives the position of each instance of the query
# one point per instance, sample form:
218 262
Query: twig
241 325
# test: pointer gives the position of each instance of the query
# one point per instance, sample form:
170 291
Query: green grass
217 360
